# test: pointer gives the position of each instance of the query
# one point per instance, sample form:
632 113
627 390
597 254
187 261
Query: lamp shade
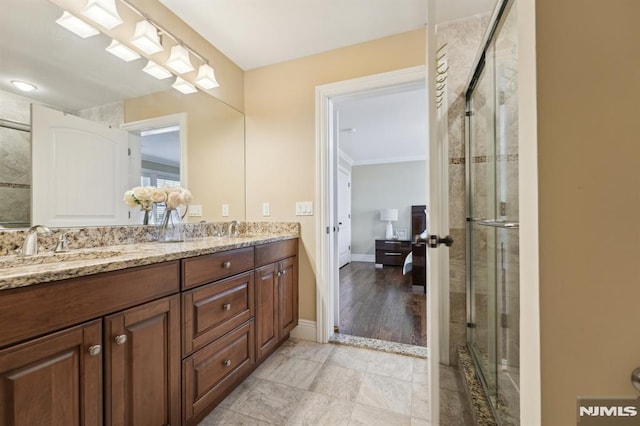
76 25
156 70
179 60
206 77
184 86
103 12
121 51
146 38
389 215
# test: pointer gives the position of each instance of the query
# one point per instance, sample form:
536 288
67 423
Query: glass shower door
492 220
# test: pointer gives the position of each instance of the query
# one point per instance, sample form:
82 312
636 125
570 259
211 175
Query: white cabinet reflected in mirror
79 77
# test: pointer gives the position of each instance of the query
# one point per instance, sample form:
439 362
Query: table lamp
389 215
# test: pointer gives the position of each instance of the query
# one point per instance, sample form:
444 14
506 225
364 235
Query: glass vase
170 229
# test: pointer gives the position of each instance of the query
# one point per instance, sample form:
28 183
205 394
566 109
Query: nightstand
392 252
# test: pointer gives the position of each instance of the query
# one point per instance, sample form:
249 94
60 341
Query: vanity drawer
205 269
272 252
215 309
209 374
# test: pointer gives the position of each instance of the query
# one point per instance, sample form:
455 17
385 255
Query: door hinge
503 321
503 208
129 152
129 213
328 230
471 325
348 184
349 248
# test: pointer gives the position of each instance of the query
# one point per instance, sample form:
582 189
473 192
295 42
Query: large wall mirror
196 138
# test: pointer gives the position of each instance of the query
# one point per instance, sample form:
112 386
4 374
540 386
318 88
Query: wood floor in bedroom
381 304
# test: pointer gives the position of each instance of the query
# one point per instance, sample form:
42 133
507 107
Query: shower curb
473 390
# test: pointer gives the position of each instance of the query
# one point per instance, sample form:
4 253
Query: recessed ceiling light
24 86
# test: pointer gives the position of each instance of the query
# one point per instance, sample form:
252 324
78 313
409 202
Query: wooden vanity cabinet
53 379
276 279
88 374
142 364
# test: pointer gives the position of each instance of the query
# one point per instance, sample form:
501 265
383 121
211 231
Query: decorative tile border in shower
380 345
15 185
457 160
481 411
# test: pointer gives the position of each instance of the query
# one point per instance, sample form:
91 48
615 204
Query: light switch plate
195 210
225 210
266 209
304 208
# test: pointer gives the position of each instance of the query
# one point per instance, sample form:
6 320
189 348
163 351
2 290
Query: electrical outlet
266 209
225 210
195 210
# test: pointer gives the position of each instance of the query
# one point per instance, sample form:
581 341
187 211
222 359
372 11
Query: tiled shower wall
462 38
15 162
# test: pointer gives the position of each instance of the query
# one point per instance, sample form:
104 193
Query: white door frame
326 169
179 119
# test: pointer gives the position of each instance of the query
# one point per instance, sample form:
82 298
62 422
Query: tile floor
306 383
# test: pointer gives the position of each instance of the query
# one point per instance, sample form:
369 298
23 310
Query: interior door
344 217
80 170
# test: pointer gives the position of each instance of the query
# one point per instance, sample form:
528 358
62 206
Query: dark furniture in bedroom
392 252
419 250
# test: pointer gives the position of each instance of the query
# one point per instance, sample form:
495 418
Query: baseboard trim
363 258
306 330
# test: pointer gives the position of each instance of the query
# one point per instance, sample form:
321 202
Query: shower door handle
434 241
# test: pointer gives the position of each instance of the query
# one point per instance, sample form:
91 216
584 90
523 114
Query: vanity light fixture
24 86
103 12
121 51
184 86
179 60
156 70
146 38
206 77
76 25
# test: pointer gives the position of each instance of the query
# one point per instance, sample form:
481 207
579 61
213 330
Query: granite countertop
80 262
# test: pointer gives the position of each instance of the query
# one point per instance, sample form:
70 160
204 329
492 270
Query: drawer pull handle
95 350
121 339
226 363
393 254
226 307
226 265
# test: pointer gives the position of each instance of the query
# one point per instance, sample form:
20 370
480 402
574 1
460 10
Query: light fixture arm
163 31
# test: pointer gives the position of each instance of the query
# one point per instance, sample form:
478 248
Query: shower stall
15 174
492 217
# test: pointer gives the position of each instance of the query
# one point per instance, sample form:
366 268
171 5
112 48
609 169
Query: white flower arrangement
145 196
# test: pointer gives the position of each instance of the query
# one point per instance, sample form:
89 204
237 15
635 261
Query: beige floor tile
269 402
391 365
386 393
295 372
350 357
240 393
317 409
311 351
267 367
370 416
419 422
420 407
448 378
420 370
339 382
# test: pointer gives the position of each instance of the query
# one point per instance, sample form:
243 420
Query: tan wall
228 74
588 82
280 108
215 148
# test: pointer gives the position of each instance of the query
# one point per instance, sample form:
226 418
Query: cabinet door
288 296
142 365
53 379
266 282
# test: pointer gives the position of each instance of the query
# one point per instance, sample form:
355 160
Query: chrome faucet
30 245
233 230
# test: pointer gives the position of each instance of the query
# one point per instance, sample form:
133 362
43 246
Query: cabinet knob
95 350
226 363
226 265
121 339
226 307
279 273
284 272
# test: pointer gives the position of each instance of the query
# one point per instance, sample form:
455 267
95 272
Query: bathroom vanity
160 343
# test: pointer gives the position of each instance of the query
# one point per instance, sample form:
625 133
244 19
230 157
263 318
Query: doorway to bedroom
381 188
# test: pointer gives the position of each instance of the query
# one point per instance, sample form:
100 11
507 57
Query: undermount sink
50 257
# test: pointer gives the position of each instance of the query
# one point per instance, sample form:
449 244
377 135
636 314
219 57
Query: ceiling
255 33
386 127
